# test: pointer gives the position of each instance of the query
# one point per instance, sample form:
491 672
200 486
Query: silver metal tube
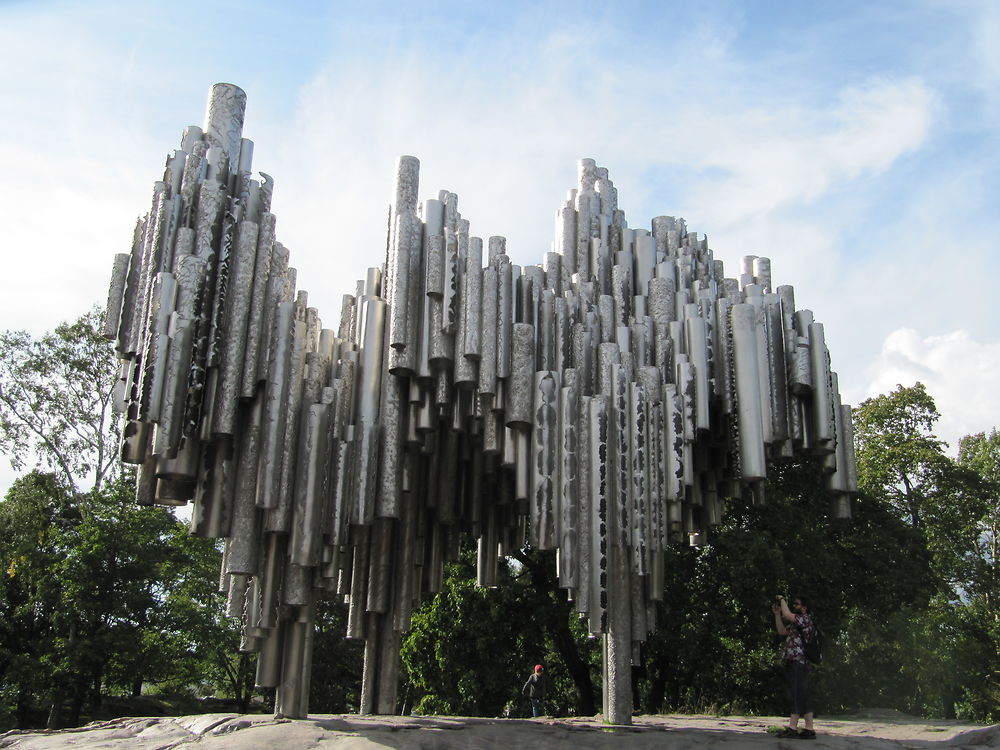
391 439
237 312
244 539
488 353
544 516
366 416
306 538
696 338
519 392
751 435
505 315
822 411
256 338
275 407
568 495
600 480
224 121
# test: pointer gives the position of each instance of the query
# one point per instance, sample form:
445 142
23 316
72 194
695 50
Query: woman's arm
778 624
786 613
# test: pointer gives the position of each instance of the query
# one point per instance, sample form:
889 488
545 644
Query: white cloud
960 374
72 216
778 156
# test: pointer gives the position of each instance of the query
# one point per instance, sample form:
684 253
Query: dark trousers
536 706
797 677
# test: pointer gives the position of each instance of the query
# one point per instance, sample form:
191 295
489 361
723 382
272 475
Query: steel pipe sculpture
603 405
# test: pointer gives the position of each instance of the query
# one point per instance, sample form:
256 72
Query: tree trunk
244 684
23 711
55 710
638 672
577 668
657 689
97 682
76 703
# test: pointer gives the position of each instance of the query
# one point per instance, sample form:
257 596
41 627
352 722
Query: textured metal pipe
244 530
505 315
545 460
774 332
469 340
520 383
168 432
823 408
639 489
406 245
224 121
696 339
358 596
306 536
600 480
751 434
391 438
488 353
256 340
618 640
237 312
568 485
275 407
380 565
366 416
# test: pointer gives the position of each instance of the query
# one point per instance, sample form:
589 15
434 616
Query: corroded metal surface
605 403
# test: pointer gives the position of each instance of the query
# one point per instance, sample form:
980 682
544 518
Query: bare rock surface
875 730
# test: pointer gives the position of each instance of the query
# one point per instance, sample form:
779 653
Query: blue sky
853 143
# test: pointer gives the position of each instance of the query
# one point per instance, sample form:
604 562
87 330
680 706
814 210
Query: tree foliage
949 641
98 595
55 400
101 596
899 458
469 649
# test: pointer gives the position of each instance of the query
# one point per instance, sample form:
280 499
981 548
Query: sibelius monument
603 404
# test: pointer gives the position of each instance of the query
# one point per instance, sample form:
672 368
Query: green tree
338 662
101 596
469 649
945 646
979 545
56 401
977 585
899 458
82 584
38 506
195 646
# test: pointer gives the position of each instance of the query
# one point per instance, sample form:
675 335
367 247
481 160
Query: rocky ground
876 730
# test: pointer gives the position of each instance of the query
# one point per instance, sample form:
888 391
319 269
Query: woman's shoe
788 733
807 734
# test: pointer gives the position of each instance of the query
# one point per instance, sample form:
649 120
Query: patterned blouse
799 630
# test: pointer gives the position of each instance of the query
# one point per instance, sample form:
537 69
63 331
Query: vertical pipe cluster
603 404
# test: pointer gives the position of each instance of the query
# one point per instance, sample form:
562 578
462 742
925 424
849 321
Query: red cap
538 667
